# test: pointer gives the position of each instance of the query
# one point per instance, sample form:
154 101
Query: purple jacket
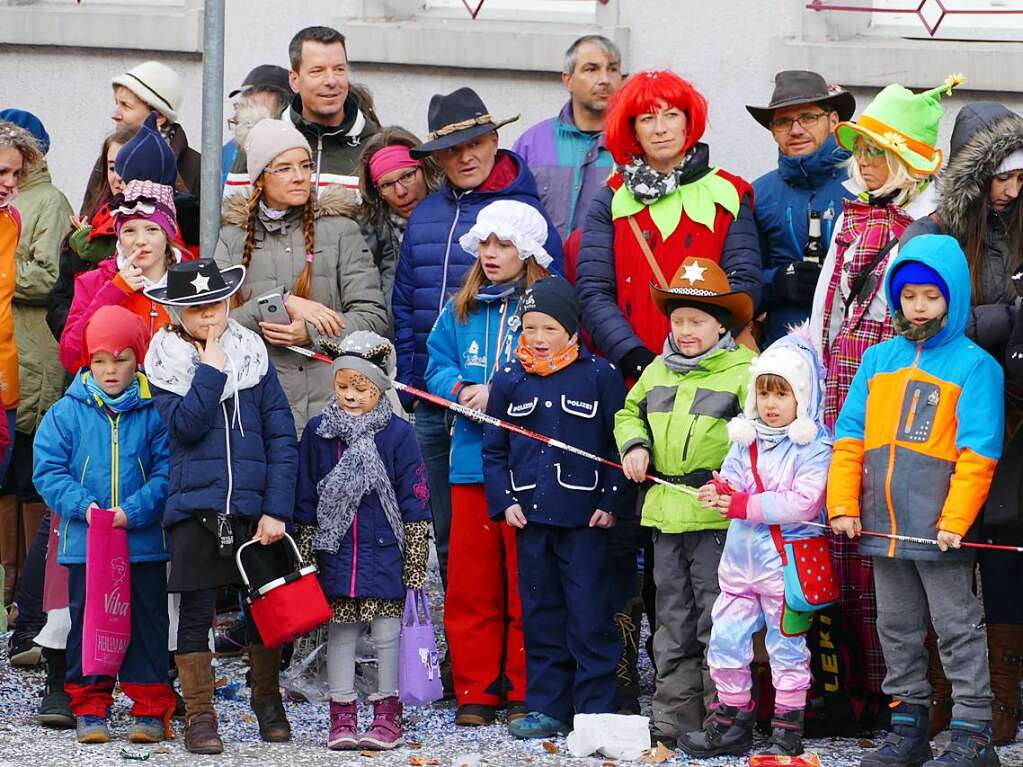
569 165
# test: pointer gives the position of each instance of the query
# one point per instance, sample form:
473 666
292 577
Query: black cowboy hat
454 118
797 86
191 283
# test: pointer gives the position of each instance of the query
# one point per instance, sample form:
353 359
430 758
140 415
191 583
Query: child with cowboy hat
674 424
233 467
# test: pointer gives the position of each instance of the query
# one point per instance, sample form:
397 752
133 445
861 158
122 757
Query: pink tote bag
106 629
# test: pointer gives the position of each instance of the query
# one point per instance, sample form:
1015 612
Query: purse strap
861 278
779 542
645 247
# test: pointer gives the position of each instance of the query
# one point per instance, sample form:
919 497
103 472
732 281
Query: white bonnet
513 221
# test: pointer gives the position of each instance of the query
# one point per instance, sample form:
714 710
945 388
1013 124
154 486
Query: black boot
730 731
55 708
786 734
907 744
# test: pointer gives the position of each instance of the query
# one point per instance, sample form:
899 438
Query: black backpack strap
861 278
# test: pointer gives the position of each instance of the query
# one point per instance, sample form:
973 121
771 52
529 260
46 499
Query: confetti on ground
430 733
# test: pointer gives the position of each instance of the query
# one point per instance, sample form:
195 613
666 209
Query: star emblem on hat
201 283
694 273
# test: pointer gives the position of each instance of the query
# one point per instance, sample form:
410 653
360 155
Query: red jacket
100 287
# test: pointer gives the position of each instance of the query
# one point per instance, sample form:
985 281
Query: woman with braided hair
306 248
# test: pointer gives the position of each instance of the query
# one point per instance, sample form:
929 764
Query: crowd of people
835 345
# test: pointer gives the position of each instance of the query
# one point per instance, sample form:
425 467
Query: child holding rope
474 337
928 471
561 506
675 418
770 485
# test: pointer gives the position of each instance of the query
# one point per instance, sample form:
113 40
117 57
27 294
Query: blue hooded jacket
85 455
921 429
784 198
432 264
471 352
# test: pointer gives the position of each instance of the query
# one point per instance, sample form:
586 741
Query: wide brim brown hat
701 281
796 86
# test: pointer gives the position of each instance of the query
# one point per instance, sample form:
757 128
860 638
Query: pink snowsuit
750 573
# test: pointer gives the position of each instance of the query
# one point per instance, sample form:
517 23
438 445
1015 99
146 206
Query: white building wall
723 47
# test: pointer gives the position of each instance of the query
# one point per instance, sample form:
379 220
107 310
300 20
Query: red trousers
482 611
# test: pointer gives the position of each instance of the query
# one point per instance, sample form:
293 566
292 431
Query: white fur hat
515 222
787 362
156 84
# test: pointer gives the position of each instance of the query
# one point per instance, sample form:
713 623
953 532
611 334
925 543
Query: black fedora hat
456 117
797 86
191 283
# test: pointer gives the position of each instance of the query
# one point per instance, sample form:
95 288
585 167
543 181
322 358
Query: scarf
359 472
544 367
648 185
770 436
171 362
122 403
919 333
680 363
271 214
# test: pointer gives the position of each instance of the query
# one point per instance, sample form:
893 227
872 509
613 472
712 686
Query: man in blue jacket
807 184
463 142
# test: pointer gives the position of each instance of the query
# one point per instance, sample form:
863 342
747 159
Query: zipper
143 470
85 468
891 460
689 435
355 552
447 255
115 450
319 159
63 538
227 442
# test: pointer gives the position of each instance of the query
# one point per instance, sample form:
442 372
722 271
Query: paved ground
22 742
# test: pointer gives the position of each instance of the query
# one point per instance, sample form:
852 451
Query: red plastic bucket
286 607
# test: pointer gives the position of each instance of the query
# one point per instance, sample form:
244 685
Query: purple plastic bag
419 681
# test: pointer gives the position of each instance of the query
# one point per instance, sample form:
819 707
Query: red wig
644 92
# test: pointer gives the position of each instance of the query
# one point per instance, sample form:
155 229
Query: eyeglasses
404 179
806 121
864 151
232 123
302 169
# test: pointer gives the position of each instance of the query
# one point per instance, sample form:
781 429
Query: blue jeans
433 430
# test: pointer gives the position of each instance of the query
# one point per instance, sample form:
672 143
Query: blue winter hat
31 123
917 273
147 157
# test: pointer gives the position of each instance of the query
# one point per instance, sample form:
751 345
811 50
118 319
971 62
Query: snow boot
730 731
907 744
970 746
385 732
344 724
55 707
786 734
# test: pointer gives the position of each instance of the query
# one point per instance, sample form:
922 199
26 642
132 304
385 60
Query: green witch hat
905 123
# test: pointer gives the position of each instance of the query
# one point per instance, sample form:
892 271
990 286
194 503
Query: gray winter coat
985 133
344 279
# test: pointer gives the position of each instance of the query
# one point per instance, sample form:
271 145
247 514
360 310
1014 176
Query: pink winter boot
344 722
385 733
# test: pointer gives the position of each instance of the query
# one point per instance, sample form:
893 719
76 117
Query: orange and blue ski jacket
920 432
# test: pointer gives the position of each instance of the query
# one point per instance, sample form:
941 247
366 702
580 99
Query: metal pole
212 124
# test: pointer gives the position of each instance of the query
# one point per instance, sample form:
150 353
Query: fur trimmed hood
334 200
985 134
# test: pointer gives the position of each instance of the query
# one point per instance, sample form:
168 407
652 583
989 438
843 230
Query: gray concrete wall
724 48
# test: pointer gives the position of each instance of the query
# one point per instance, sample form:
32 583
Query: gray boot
730 731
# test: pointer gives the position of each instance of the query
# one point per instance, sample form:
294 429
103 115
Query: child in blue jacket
474 337
561 506
103 445
233 464
363 497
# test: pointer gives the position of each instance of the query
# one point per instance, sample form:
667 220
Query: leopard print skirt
356 610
